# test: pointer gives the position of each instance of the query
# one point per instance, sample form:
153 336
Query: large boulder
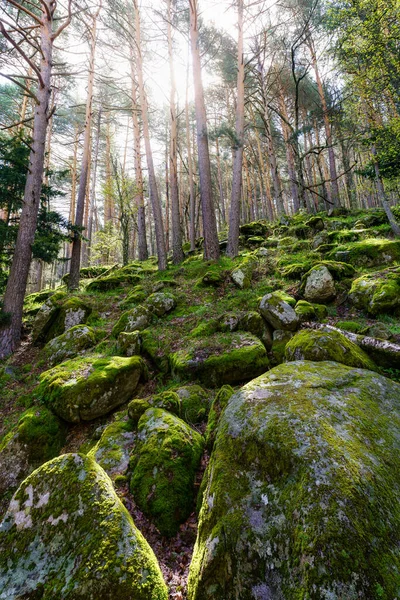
57 315
253 322
136 319
112 451
129 343
301 495
369 252
220 358
69 344
278 313
377 292
164 463
319 285
89 387
194 403
255 228
36 438
66 534
327 345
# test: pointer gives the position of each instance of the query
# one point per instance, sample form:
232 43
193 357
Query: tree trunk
73 280
10 334
93 188
177 252
382 195
211 243
154 196
273 165
234 213
192 189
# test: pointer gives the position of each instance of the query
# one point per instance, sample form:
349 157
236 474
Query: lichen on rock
69 344
301 494
66 534
377 292
278 313
135 319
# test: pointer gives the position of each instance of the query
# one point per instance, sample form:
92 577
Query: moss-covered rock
255 228
377 292
242 275
316 223
155 349
167 400
130 274
220 358
136 296
319 285
369 252
136 408
352 326
112 451
253 322
67 535
69 344
229 321
89 387
129 343
279 341
278 313
164 465
33 302
305 311
194 403
327 345
136 319
57 315
301 494
220 401
38 436
212 278
46 316
161 303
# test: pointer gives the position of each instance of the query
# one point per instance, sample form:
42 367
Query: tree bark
93 188
192 188
234 213
154 196
10 334
382 195
211 243
73 280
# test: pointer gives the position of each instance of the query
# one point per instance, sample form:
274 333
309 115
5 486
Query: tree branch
22 53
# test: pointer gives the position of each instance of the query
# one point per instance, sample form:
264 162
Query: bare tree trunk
93 188
273 165
154 196
192 188
234 213
382 195
73 280
139 200
167 196
289 153
328 130
177 252
10 334
211 243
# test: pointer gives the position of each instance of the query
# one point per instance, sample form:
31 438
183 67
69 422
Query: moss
300 499
86 388
253 322
136 408
327 345
352 326
258 228
194 403
277 312
137 296
129 343
212 279
242 275
155 349
316 223
378 292
67 534
368 252
220 359
161 303
135 319
164 466
70 344
112 451
220 401
168 400
205 329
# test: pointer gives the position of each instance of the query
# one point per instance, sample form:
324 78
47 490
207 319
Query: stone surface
66 534
129 343
220 358
89 387
377 292
161 303
253 322
164 463
71 343
301 494
135 319
58 314
113 449
278 313
327 345
319 285
241 276
194 403
38 436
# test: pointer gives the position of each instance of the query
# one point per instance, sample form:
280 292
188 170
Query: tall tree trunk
192 188
143 253
382 195
154 196
93 187
109 212
234 213
73 281
10 333
280 209
335 198
177 252
294 183
211 243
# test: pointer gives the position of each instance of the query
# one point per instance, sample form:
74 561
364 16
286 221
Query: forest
199 299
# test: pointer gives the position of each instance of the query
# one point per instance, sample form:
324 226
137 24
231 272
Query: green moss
258 228
221 358
194 403
327 345
300 499
352 326
69 344
378 292
205 329
113 448
129 343
212 279
164 466
220 401
135 319
89 387
161 303
168 400
67 534
136 408
372 251
155 349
